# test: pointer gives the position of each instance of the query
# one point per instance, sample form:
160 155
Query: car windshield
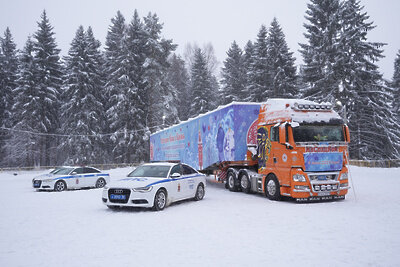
62 171
318 133
156 171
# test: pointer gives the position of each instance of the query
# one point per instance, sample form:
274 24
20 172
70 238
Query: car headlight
105 187
344 176
299 178
143 189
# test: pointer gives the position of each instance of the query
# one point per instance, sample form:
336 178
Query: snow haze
74 228
201 22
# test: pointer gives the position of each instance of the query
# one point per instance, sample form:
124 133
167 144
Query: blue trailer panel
219 135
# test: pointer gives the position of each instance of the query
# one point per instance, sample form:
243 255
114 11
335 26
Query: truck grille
323 176
119 195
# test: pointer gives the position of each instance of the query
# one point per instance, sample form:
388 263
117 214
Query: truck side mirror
347 133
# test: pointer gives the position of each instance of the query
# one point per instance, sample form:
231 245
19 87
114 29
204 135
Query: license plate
324 194
118 197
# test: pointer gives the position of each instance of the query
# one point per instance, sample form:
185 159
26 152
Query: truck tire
272 188
244 182
231 181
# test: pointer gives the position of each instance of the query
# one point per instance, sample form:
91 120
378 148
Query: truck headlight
299 178
344 176
143 189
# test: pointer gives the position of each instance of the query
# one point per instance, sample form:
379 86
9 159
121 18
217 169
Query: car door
90 176
189 181
76 179
177 184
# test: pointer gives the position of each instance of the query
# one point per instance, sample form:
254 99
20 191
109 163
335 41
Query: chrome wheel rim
161 200
271 187
231 182
243 182
100 183
60 186
200 192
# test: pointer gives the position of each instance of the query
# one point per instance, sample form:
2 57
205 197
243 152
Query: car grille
119 195
37 184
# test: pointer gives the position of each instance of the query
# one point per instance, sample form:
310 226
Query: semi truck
292 148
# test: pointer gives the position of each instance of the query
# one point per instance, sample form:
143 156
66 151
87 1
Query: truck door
280 152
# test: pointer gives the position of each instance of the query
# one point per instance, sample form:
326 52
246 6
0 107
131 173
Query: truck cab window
275 134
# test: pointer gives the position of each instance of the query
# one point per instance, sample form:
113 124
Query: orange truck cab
302 151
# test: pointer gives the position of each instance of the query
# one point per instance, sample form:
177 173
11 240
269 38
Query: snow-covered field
74 228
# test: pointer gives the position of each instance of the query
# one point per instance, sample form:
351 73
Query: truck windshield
155 171
318 133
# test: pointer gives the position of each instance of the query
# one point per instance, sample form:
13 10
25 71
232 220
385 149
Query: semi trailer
282 148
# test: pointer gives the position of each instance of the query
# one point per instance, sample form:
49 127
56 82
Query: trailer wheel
244 182
231 181
272 188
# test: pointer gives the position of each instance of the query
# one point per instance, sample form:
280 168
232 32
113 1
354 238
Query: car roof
161 163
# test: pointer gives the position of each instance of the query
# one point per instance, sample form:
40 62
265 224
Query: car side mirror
175 175
73 173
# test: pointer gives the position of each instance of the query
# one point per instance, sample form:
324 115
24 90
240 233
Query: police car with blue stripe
64 178
155 185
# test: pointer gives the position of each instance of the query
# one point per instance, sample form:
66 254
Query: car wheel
231 181
160 200
199 192
60 186
272 188
100 183
244 182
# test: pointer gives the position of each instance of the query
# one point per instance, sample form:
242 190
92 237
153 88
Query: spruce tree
49 71
259 77
396 85
178 77
375 131
8 77
281 63
320 54
248 57
82 111
201 88
26 146
233 76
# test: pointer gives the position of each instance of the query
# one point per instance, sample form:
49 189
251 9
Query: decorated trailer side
284 147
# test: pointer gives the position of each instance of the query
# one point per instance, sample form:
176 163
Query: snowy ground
74 228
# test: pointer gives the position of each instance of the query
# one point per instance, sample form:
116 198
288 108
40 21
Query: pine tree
281 67
376 133
201 88
234 76
82 111
178 77
26 147
49 71
320 54
8 77
396 85
259 77
248 57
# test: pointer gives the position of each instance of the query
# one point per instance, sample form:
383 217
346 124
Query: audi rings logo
118 191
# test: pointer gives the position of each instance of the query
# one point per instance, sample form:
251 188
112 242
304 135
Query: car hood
132 182
45 176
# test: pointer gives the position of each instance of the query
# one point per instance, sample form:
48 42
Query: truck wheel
231 181
160 200
244 182
60 186
272 188
199 192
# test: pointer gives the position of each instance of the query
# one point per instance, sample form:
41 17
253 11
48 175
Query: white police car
155 185
64 178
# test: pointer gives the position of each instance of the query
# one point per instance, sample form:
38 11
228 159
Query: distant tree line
99 105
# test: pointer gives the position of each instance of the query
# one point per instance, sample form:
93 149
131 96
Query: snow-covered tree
178 77
396 85
321 52
49 81
82 110
375 131
234 76
201 87
259 77
281 63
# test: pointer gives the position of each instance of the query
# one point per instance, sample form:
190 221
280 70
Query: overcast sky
219 22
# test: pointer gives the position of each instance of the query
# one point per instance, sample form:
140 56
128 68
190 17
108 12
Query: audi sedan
64 178
155 185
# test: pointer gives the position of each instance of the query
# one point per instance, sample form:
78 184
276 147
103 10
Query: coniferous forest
99 104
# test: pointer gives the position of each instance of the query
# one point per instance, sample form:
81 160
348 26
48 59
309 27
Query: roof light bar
326 107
